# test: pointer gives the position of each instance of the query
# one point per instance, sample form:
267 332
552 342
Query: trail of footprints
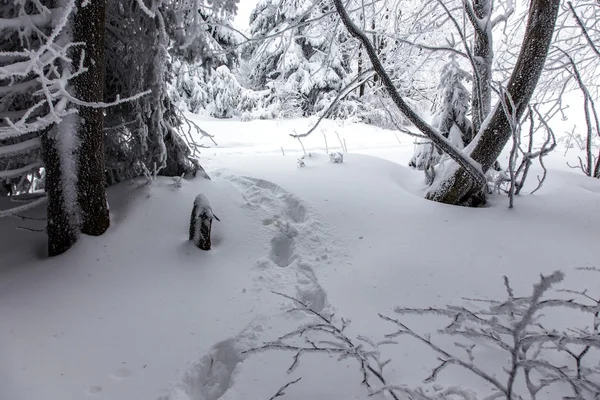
297 235
296 247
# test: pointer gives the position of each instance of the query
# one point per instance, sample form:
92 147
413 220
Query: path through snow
300 245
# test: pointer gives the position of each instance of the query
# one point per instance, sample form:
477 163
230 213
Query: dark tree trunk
61 226
361 89
483 55
459 188
88 27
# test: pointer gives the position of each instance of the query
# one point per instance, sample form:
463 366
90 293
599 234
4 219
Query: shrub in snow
201 222
308 60
336 157
537 361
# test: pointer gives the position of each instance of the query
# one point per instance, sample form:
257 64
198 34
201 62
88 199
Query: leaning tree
460 179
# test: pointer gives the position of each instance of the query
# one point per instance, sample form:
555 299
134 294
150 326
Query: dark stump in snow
201 222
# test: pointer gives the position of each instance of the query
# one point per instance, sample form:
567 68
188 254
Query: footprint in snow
122 374
94 390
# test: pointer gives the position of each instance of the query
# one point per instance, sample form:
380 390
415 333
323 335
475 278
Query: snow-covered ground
140 313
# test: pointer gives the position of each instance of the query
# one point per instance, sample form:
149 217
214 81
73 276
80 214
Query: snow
140 313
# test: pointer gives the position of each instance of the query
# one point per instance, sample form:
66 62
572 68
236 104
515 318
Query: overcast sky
245 7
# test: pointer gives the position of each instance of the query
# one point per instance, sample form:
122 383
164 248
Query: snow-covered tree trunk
458 187
89 27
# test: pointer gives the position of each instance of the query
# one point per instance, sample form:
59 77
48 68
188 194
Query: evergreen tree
195 64
450 115
307 56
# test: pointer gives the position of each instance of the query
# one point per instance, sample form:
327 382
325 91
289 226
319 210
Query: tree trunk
483 55
458 188
88 27
61 226
361 89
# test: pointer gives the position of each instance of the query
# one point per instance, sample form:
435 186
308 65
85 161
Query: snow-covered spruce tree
450 116
194 69
49 99
145 135
226 93
298 47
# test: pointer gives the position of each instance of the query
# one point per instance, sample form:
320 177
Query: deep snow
140 313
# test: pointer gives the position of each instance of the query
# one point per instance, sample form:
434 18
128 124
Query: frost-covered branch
326 335
591 165
514 326
281 391
584 29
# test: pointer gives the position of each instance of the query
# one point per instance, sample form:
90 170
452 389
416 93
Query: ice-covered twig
308 339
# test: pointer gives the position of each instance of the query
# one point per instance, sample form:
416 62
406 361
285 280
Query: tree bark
89 27
483 55
487 146
61 226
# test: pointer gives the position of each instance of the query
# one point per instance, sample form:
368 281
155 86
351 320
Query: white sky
245 7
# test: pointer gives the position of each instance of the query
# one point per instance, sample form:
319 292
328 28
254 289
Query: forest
390 199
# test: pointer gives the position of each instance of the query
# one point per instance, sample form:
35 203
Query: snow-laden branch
146 10
21 147
327 336
433 48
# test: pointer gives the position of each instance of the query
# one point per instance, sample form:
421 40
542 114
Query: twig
281 391
301 144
